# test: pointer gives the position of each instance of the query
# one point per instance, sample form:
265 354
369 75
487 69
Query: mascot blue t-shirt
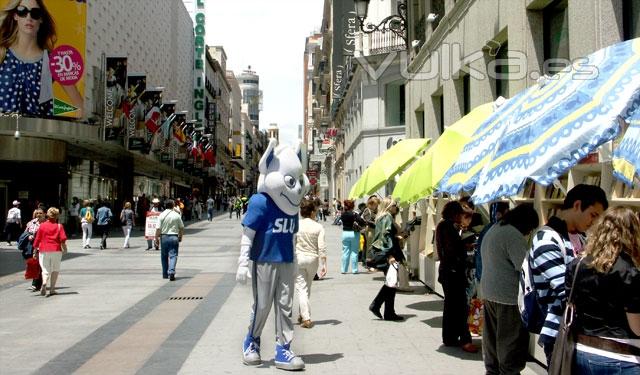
274 228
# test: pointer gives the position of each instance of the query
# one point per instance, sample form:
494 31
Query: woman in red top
49 245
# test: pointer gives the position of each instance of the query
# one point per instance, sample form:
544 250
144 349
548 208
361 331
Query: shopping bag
391 280
476 316
33 269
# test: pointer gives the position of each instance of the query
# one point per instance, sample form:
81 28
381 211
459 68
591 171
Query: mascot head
282 177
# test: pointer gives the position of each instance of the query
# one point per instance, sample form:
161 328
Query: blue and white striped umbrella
556 124
626 156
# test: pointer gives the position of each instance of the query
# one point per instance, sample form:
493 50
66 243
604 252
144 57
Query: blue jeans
169 254
209 214
350 245
592 364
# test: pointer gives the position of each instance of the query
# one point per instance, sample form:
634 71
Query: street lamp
396 23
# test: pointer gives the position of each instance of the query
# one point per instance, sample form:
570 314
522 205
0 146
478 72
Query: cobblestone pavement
114 314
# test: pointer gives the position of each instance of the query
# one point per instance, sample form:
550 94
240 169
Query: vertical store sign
52 83
344 38
199 78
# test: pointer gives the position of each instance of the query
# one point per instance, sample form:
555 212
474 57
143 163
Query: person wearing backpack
86 222
505 342
552 250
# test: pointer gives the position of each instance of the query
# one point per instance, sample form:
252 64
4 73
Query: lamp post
395 23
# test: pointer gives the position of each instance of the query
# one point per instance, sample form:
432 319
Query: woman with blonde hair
27 35
50 243
606 296
387 242
127 218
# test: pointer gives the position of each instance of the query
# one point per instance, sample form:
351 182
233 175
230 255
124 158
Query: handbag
391 279
564 351
378 256
33 269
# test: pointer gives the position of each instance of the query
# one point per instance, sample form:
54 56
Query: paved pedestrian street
114 314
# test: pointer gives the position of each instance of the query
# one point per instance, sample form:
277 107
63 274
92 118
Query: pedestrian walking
168 236
231 206
50 243
351 225
237 207
13 225
388 239
369 217
74 217
505 342
552 250
155 207
104 218
210 205
39 217
198 208
606 296
87 217
311 250
452 276
128 221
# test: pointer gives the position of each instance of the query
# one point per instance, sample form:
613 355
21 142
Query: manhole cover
184 298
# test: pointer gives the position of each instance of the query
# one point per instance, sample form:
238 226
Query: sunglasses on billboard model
22 11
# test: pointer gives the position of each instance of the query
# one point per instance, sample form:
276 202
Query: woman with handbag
386 253
351 225
606 297
32 229
50 243
452 276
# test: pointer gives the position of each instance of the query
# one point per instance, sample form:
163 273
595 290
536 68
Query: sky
270 36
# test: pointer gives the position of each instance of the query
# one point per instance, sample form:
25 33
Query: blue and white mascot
267 251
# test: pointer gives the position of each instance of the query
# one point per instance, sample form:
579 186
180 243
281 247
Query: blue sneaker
287 360
251 351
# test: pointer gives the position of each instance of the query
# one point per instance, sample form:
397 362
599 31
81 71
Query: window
420 122
466 93
556 36
394 102
631 21
438 108
502 71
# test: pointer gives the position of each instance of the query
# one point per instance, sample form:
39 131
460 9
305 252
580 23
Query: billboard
47 81
134 109
115 95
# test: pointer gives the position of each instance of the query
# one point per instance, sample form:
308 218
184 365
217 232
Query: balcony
378 43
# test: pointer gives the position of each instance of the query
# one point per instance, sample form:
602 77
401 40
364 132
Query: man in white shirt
13 224
169 235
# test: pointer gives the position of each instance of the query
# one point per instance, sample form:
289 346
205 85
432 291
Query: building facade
68 158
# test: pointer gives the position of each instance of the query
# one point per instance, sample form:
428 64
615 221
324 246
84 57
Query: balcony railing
379 42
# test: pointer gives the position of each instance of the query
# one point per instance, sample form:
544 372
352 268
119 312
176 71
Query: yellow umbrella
387 165
425 174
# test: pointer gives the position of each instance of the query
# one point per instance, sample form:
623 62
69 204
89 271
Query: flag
166 126
210 155
179 133
152 119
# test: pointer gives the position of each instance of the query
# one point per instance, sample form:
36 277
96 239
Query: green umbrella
387 165
425 174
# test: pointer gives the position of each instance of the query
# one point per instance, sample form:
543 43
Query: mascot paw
242 275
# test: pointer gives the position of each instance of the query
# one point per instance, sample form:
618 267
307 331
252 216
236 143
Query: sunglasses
22 11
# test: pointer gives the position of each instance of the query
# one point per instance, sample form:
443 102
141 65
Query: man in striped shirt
552 250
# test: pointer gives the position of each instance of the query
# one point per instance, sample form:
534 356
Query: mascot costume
267 251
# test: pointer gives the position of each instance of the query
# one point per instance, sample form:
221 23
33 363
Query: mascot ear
268 157
298 151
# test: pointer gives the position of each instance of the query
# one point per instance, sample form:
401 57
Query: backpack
532 314
88 215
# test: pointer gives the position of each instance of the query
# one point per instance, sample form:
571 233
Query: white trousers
87 231
49 262
126 230
306 270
